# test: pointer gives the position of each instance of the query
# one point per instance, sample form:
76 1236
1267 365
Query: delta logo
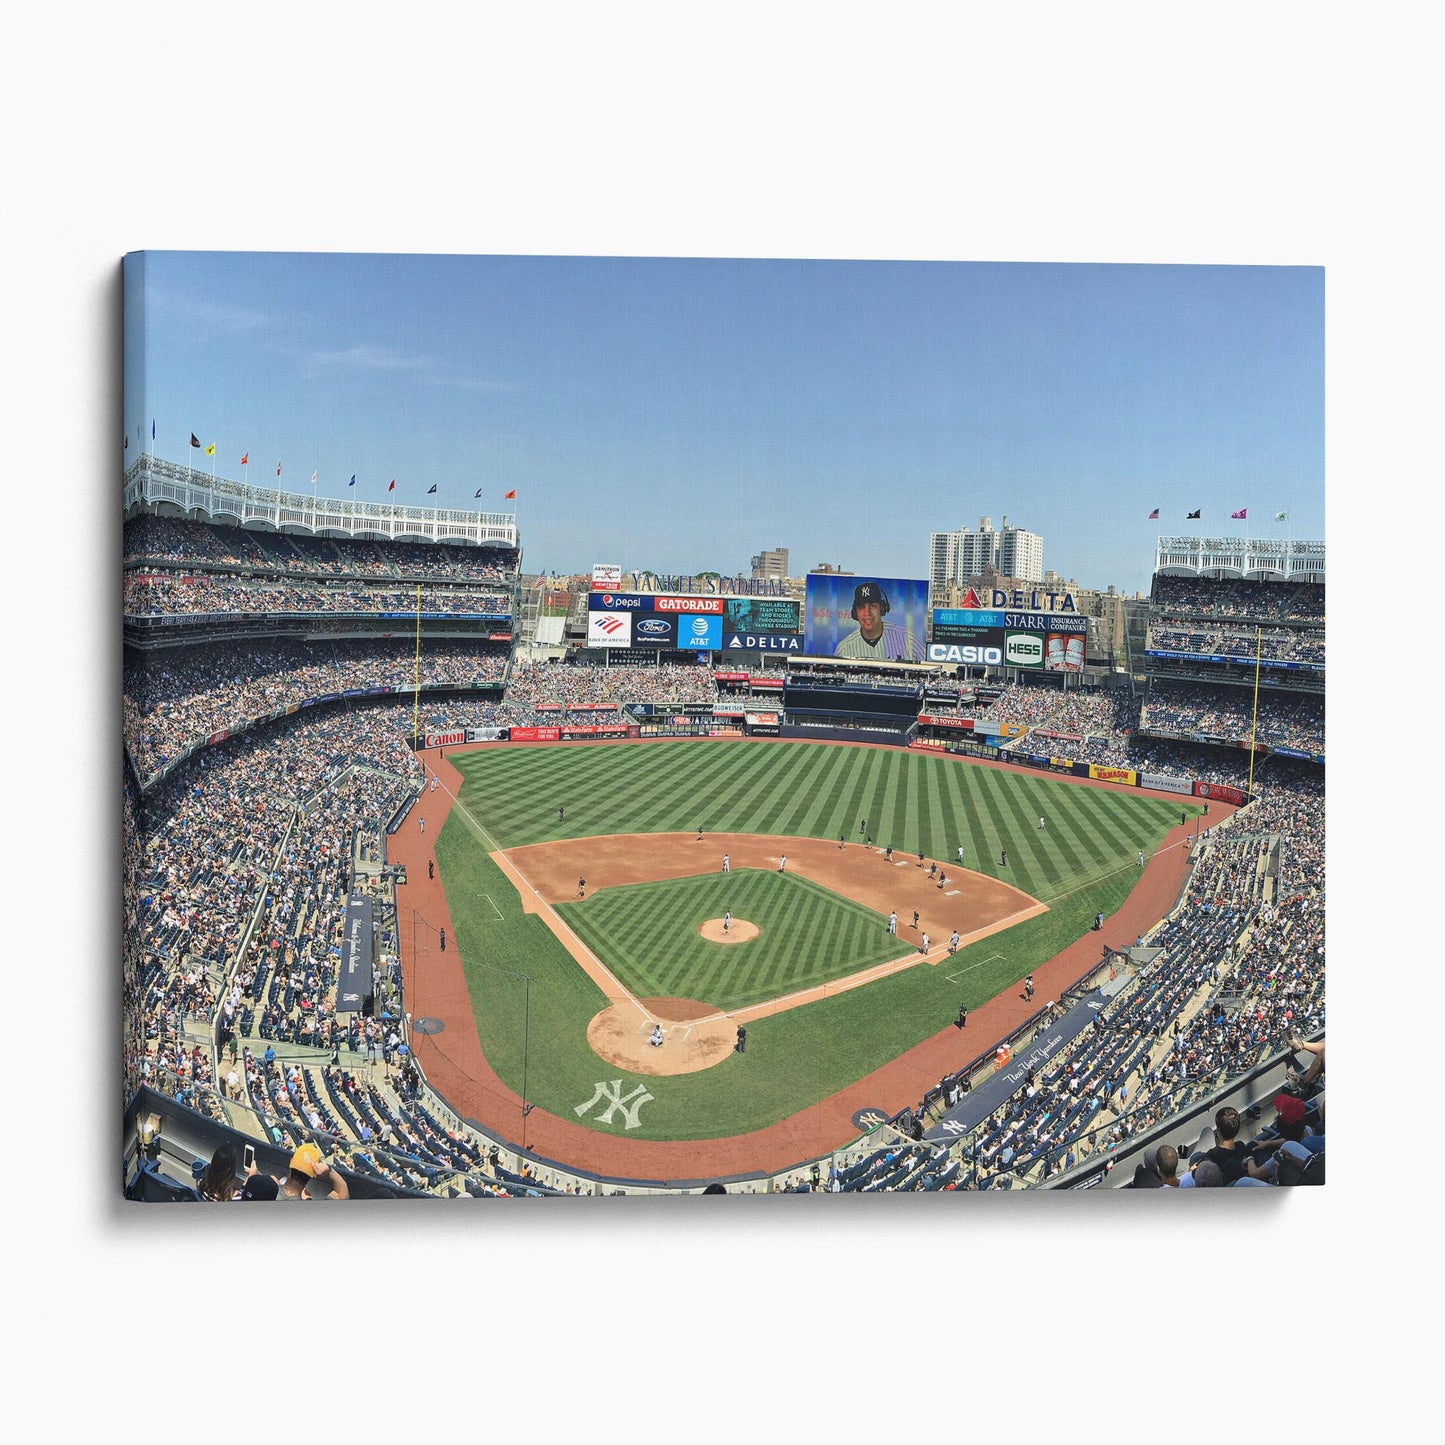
764 642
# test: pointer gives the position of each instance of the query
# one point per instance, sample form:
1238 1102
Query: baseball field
565 982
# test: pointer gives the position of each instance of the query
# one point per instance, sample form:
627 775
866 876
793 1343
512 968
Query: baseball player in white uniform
875 640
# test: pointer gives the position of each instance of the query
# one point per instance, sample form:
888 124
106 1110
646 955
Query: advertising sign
606 577
877 619
609 629
1043 641
636 619
762 624
353 981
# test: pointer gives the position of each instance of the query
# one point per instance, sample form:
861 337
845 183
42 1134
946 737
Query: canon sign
445 740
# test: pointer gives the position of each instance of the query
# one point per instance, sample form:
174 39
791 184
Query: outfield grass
1083 862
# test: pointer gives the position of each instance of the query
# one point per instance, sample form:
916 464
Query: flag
1193 516
194 441
392 487
245 458
1240 515
1154 515
211 450
352 482
313 479
153 430
431 489
1281 516
479 492
507 496
126 446
278 469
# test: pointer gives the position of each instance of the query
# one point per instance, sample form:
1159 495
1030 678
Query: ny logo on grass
612 1095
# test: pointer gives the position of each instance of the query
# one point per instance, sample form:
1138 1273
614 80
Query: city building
955 558
771 563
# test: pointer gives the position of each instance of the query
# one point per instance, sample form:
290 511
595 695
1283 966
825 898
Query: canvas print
626 726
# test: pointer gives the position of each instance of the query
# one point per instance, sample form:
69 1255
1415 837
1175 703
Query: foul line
596 970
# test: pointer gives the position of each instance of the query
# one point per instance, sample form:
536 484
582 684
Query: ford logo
654 627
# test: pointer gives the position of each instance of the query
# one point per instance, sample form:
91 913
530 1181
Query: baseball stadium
447 877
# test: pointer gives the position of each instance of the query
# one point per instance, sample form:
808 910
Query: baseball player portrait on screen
876 640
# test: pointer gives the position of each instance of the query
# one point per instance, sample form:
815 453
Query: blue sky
684 414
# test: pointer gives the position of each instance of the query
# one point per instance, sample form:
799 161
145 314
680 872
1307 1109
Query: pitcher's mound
695 1036
740 931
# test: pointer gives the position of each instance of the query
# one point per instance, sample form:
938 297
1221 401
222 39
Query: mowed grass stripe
755 776
831 791
931 802
955 808
877 790
720 792
648 934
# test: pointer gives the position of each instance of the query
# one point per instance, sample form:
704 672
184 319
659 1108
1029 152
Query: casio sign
964 652
1023 650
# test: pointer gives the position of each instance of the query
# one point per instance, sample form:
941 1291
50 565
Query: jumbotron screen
865 618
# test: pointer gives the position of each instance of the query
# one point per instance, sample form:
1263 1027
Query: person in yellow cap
309 1166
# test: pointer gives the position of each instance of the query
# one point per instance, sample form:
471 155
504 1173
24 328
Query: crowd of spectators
566 685
1294 720
171 543
1262 602
1077 712
238 870
798 672
173 701
152 595
1270 645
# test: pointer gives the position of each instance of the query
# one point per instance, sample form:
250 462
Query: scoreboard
1044 641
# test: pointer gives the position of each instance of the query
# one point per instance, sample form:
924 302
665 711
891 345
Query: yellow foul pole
416 681
1254 716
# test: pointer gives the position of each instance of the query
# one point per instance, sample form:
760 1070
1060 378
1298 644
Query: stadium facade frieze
704 586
